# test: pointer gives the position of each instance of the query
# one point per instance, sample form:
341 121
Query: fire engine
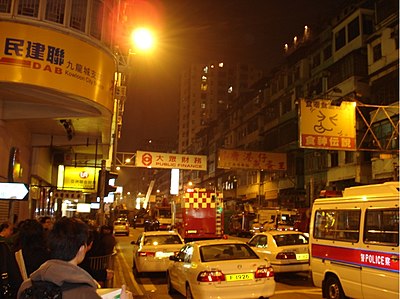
198 215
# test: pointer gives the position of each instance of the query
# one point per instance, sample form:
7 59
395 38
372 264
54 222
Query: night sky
200 31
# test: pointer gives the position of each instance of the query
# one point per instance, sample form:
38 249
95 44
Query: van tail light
286 256
146 254
264 272
211 276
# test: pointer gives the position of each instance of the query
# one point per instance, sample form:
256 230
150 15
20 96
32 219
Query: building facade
355 59
60 93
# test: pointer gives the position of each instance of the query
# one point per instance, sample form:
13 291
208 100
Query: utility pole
101 189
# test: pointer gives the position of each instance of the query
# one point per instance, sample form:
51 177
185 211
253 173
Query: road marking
133 280
303 291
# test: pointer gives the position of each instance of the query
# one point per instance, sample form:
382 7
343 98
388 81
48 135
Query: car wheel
170 288
135 270
188 292
333 289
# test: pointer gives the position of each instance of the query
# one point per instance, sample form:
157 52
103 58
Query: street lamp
143 41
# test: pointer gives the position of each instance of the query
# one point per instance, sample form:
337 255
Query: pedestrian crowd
38 250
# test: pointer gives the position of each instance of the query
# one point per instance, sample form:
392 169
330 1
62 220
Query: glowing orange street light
143 39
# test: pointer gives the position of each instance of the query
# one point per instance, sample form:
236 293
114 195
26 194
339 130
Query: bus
354 243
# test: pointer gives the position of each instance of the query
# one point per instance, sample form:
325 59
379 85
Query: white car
152 250
121 226
286 250
220 269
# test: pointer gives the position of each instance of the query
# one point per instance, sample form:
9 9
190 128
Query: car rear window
162 240
120 223
221 252
290 239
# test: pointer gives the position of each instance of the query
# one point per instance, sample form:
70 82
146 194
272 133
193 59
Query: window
349 157
340 225
226 252
78 15
382 226
334 159
353 29
288 240
327 52
260 241
377 52
340 39
29 8
5 6
55 11
95 24
316 60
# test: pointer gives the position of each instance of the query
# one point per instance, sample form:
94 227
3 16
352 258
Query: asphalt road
153 285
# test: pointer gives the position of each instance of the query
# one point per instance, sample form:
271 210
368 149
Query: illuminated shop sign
77 178
46 58
326 126
170 161
251 160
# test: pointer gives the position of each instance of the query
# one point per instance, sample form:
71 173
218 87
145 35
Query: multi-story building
59 99
354 58
207 92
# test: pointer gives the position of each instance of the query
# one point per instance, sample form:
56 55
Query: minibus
354 243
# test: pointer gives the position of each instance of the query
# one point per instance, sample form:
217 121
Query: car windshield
162 240
210 253
290 239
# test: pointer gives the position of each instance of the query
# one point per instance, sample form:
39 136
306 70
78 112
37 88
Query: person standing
33 245
11 278
67 242
6 231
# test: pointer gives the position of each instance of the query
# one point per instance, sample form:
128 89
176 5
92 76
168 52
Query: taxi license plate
241 276
160 254
302 256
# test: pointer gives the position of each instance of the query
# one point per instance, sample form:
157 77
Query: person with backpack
61 275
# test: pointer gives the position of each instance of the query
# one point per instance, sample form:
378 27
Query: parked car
152 250
220 269
286 250
121 226
151 224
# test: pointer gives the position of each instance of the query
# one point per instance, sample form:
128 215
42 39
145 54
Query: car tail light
143 253
285 255
211 276
264 272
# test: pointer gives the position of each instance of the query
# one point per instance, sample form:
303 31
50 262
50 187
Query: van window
340 225
382 227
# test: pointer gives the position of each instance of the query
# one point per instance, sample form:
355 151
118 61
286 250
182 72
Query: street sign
14 191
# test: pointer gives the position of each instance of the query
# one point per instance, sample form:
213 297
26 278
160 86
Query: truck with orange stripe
198 214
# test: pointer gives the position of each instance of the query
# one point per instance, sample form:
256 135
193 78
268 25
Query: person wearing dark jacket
67 242
9 265
33 244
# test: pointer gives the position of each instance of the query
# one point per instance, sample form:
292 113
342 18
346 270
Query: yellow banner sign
79 178
251 160
326 126
47 58
170 161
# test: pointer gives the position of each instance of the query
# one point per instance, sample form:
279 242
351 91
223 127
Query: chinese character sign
326 126
251 160
170 160
78 178
50 59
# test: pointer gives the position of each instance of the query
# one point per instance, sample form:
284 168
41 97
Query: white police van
354 243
